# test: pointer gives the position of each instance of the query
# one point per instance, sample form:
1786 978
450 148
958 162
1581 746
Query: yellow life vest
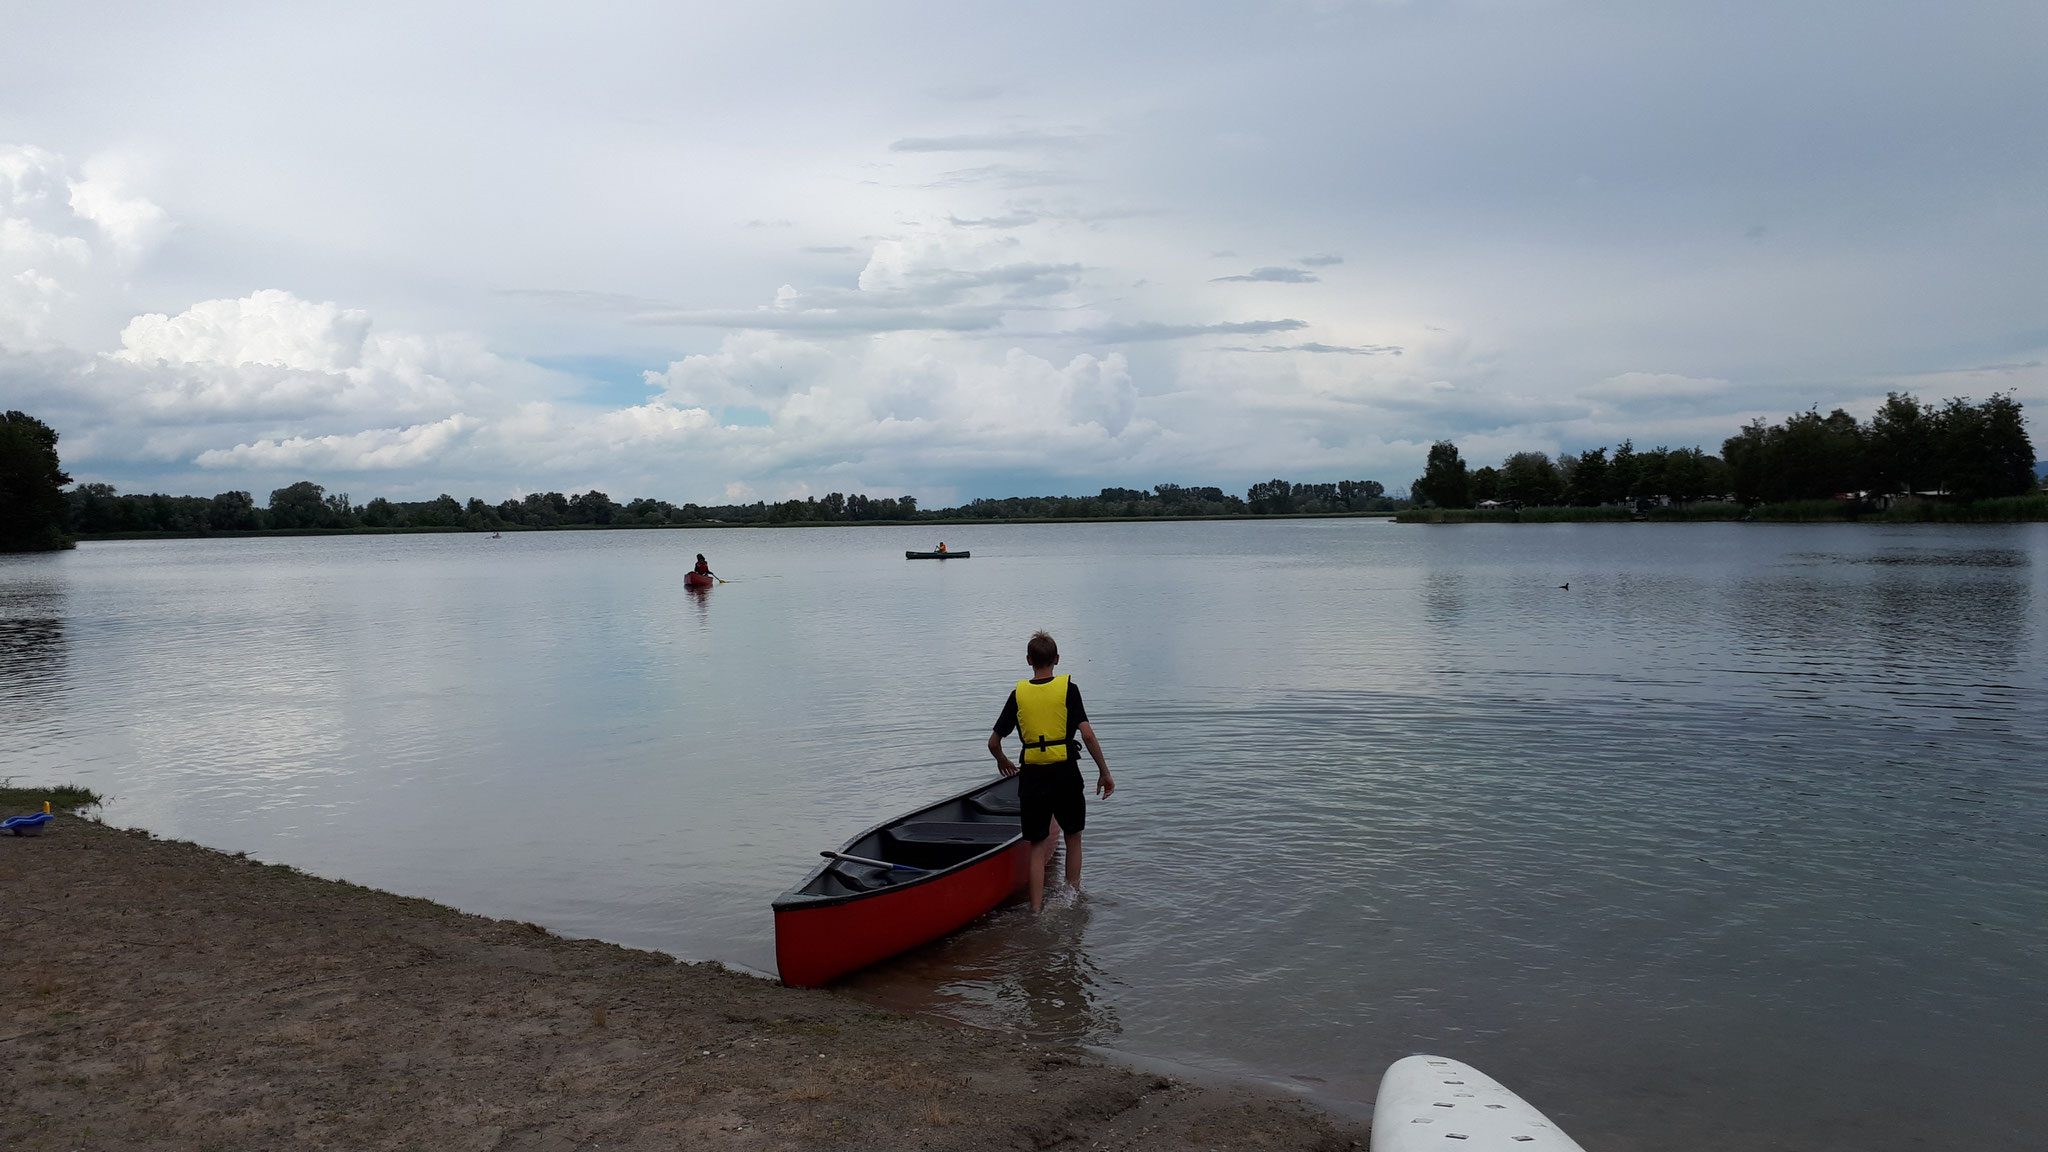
1042 721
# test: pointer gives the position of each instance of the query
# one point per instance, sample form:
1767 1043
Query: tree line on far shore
97 509
1953 451
36 513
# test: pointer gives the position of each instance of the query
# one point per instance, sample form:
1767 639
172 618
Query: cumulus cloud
270 327
68 240
751 368
377 449
272 355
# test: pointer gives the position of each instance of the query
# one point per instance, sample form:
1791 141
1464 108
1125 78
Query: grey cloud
1270 276
829 320
1125 333
579 298
1024 140
1003 176
1010 220
1322 261
933 287
1336 349
832 249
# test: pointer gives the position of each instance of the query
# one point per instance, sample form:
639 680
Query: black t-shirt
1077 715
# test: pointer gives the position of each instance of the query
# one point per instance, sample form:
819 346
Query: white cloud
66 246
377 449
270 327
131 223
271 355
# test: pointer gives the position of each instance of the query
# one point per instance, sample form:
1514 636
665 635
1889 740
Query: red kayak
698 580
916 878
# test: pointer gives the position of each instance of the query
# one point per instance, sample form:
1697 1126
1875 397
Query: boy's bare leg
1073 860
1041 855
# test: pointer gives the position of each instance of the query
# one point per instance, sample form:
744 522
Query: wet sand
157 994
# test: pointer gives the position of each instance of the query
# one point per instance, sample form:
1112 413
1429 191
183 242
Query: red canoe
698 580
965 854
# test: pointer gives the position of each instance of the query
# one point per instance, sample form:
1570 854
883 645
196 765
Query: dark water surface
1737 843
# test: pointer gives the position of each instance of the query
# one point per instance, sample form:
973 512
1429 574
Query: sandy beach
157 994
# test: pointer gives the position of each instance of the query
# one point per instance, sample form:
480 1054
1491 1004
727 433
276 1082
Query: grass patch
1513 515
2004 510
62 798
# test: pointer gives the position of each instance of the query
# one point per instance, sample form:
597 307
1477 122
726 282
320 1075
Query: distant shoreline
2002 510
97 537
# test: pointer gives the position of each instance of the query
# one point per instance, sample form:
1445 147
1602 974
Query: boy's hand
1104 786
1006 768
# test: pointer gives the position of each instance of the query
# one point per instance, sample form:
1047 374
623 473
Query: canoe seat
997 806
844 878
942 843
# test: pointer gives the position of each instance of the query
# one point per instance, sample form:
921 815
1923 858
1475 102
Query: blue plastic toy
27 825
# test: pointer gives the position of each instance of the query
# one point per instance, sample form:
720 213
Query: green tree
1529 478
1588 486
1444 481
1622 474
1745 453
300 505
233 512
34 514
382 513
1485 484
1686 474
1270 497
443 511
1899 447
1982 450
592 507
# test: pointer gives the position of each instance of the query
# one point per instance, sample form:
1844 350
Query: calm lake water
1738 842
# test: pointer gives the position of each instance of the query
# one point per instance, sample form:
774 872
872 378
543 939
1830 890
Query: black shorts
1048 792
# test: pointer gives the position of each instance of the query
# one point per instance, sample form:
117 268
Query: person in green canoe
1047 714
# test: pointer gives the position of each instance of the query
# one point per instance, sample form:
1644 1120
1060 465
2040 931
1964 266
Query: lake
1737 842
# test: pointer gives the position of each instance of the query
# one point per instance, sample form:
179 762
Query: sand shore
157 994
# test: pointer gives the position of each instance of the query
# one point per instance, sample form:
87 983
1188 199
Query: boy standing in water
1046 712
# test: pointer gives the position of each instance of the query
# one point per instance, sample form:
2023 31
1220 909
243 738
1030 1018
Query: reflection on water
1735 842
33 647
1014 970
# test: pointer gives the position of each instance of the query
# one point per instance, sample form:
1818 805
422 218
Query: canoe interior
940 838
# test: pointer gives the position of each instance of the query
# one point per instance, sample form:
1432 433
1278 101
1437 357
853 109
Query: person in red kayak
1046 713
702 568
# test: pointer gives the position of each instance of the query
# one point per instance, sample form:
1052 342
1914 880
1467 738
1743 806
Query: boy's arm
995 749
1105 786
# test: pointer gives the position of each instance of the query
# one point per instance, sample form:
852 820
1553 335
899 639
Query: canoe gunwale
909 555
797 900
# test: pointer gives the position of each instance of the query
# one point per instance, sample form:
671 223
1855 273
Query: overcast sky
958 249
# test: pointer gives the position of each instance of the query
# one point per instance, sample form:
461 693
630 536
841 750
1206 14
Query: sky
777 249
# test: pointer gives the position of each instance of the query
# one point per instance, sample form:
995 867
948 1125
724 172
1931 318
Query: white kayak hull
1439 1104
